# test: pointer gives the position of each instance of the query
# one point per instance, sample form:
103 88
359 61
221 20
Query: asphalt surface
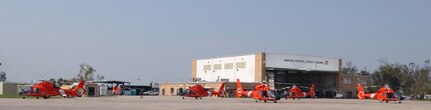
212 103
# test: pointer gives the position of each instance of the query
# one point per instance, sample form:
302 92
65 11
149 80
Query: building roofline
303 55
208 58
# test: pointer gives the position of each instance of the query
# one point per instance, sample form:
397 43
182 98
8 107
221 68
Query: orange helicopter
383 94
295 92
46 89
261 92
198 91
116 89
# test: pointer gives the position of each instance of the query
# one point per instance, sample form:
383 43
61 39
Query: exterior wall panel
243 68
296 62
1 88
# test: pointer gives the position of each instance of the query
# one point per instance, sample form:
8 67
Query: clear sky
156 40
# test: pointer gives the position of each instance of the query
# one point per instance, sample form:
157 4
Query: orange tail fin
239 89
312 93
221 90
361 92
79 89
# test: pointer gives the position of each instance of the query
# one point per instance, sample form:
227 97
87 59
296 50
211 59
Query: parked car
401 97
150 92
338 96
427 97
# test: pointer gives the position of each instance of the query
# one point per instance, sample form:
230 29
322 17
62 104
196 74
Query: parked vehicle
427 97
150 92
338 96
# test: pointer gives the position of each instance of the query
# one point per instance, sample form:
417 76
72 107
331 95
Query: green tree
364 72
100 77
86 72
422 85
350 69
411 78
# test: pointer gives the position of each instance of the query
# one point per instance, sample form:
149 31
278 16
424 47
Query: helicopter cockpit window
390 95
186 91
264 93
36 90
273 94
55 85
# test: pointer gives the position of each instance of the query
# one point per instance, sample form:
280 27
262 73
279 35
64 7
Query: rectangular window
358 81
240 65
363 82
163 91
217 66
347 81
207 67
228 66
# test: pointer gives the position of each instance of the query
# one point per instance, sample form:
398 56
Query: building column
194 70
340 76
260 67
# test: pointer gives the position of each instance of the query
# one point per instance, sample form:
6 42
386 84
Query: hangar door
325 81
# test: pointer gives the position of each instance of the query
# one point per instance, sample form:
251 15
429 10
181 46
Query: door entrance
91 91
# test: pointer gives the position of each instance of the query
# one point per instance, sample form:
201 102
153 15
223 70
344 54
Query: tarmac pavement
206 103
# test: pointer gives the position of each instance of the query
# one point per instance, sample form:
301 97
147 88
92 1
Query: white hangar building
278 70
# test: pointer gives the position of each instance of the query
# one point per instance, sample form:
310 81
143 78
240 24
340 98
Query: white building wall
1 88
246 74
309 64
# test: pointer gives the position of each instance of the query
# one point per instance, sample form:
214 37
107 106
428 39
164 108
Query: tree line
408 79
86 72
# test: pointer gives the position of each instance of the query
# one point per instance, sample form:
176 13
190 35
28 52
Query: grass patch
27 97
10 96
